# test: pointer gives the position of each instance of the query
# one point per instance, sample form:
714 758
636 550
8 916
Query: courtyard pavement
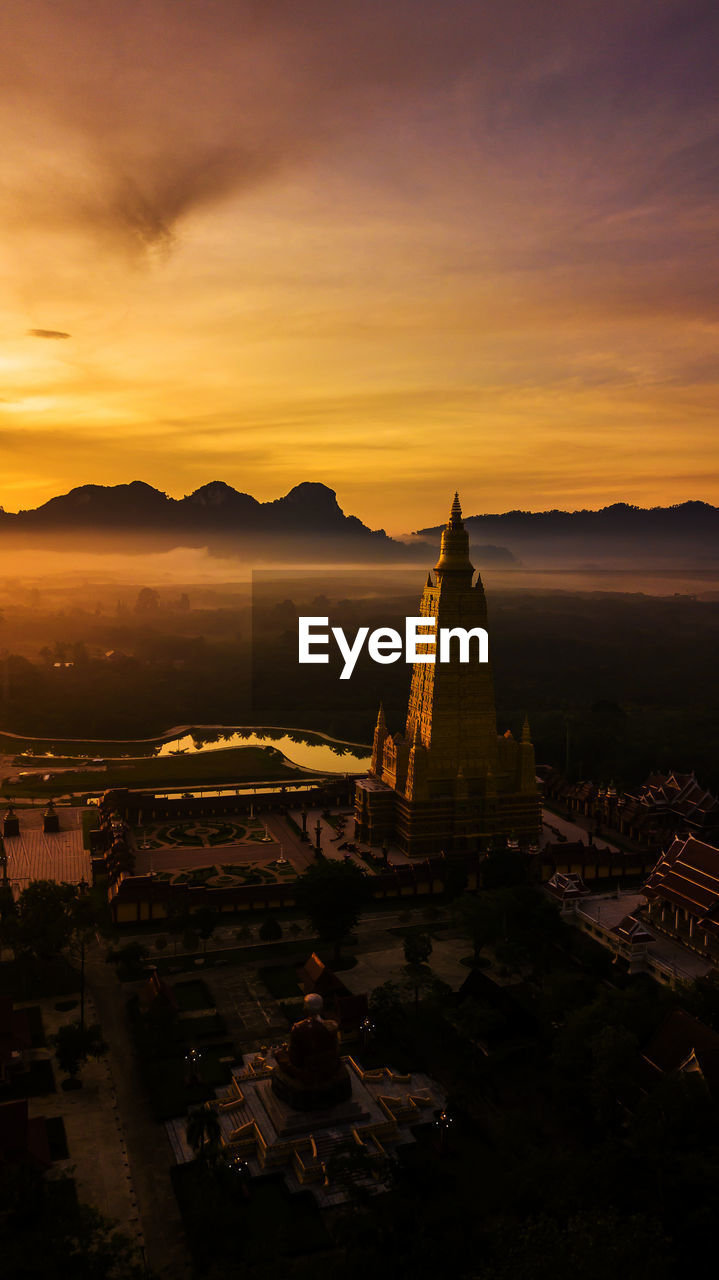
97 1149
58 855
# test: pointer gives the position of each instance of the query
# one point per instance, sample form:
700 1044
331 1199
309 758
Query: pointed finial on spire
526 735
429 582
454 562
381 722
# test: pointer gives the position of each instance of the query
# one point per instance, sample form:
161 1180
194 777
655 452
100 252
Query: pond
312 751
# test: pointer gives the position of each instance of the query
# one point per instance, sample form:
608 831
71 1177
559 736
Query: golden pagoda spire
454 561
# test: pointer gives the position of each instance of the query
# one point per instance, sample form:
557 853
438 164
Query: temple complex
449 783
295 1108
682 895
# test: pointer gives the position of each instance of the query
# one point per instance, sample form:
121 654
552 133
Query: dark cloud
163 107
47 333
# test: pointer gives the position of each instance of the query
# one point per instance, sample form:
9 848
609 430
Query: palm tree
203 1131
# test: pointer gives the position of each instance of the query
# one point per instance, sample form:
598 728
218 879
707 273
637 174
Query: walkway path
149 1154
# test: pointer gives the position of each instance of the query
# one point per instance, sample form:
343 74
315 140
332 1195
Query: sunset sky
395 246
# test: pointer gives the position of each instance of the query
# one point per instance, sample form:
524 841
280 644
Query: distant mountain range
687 533
308 523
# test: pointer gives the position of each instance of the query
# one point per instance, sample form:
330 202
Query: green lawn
223 767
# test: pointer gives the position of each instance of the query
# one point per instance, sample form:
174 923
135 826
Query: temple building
682 895
449 783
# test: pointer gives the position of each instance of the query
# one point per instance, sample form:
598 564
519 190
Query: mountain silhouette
307 523
685 531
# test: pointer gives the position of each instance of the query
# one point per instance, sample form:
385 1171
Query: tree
417 950
593 1244
702 999
148 600
44 922
8 916
531 927
88 909
613 1079
333 895
386 1007
270 930
479 918
75 1043
202 1131
503 868
130 960
44 1231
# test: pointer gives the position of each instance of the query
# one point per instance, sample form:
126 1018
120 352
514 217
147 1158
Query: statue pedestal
289 1122
309 1097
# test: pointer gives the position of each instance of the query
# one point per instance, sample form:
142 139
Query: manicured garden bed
193 994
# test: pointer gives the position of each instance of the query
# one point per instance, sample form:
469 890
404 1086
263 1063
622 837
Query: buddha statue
310 1074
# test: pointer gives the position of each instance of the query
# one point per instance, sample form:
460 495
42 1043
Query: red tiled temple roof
687 876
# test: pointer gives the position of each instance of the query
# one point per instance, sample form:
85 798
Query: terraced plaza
191 852
230 875
203 835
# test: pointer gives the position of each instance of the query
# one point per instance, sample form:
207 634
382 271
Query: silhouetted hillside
688 532
307 523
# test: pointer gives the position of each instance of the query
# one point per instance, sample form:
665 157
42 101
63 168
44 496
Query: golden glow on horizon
415 276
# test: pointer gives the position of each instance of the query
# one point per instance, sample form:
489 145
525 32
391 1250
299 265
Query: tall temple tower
449 783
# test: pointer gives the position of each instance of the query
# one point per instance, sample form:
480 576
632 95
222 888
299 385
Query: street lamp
366 1032
443 1125
238 1166
193 1058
